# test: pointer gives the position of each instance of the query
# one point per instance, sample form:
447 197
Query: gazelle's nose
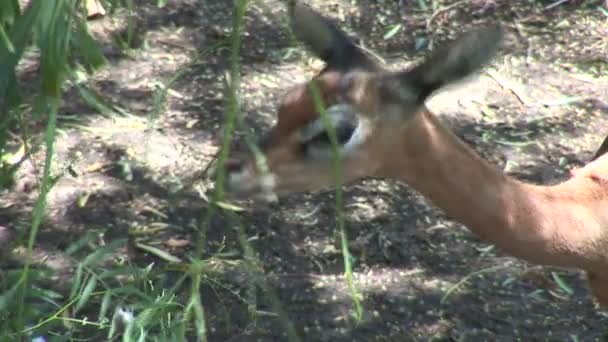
239 178
234 165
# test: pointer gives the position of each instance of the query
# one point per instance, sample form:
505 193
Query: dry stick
441 10
555 4
372 53
505 84
454 287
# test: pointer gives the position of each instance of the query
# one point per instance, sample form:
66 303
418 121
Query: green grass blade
20 34
77 280
95 257
339 204
86 47
392 32
39 209
105 305
562 284
84 297
8 298
80 243
4 38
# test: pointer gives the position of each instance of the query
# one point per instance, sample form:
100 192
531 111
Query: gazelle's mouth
245 183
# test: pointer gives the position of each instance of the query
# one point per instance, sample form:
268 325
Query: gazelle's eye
315 138
344 131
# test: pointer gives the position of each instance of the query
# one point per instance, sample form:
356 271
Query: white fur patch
246 181
240 179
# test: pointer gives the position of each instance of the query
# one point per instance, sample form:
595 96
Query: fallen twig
442 10
505 84
555 4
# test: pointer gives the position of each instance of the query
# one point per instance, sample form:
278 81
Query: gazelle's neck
560 225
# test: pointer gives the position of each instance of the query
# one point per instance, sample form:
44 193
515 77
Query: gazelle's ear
454 62
326 40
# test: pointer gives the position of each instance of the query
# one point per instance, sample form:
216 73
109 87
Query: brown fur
563 225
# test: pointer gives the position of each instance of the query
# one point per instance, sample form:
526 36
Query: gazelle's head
368 107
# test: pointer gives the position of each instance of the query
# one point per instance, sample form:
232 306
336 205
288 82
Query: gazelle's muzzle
243 181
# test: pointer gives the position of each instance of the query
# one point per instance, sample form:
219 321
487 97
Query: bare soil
543 111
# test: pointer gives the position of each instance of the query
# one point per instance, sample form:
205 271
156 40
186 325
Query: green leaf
9 11
562 284
6 40
95 101
77 280
199 319
45 186
8 298
54 34
86 47
20 34
158 252
392 32
105 304
142 336
80 243
86 293
44 293
96 256
119 271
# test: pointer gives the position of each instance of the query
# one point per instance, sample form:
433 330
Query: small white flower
125 315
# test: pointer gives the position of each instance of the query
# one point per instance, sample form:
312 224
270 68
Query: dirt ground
542 111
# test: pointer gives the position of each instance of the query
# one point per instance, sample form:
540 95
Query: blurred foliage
56 33
54 38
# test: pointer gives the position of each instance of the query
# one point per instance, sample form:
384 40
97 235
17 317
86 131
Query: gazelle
384 130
